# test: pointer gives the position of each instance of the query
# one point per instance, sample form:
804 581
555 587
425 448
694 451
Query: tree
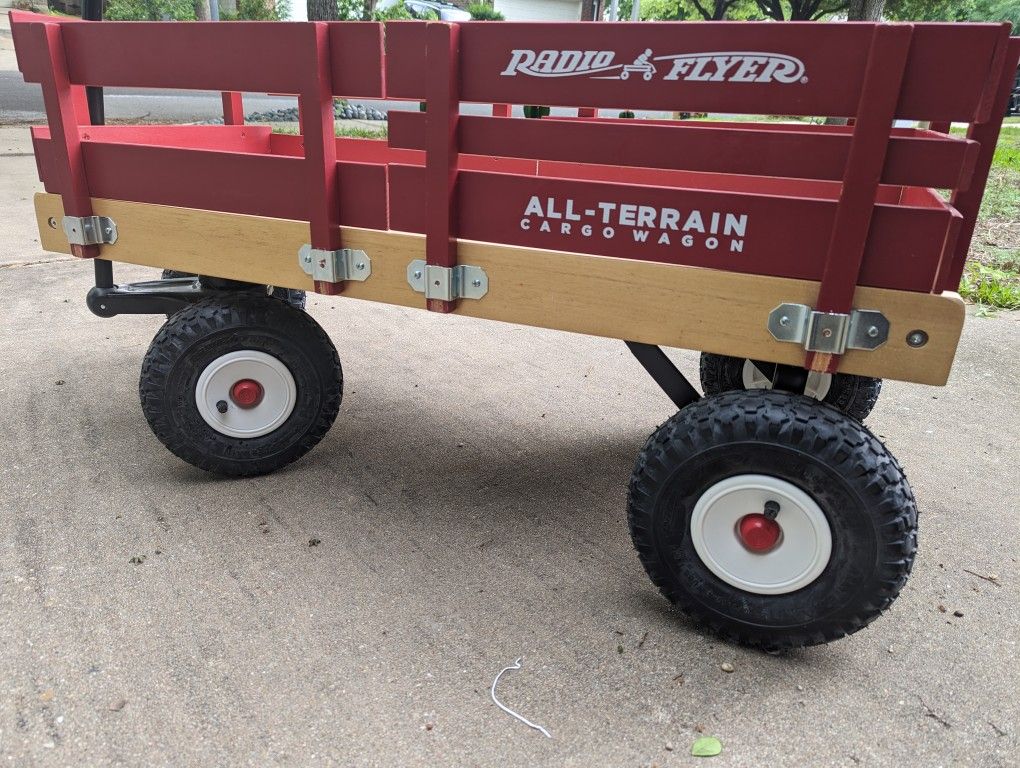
800 10
865 10
202 10
713 10
323 10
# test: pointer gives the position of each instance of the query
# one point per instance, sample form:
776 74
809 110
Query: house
543 10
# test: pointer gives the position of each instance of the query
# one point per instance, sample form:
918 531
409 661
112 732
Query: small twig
641 642
997 729
492 692
993 579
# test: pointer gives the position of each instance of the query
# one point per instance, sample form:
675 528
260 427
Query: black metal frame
666 375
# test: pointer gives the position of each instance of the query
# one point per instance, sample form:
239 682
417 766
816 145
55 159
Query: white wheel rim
798 558
817 385
214 385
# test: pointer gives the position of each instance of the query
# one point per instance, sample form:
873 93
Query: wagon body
801 258
678 233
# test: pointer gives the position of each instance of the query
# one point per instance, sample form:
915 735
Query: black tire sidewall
851 566
850 394
263 324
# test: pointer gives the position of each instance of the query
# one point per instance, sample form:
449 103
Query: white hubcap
213 391
797 559
817 385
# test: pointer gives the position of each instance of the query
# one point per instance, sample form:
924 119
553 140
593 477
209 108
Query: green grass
342 130
991 286
992 276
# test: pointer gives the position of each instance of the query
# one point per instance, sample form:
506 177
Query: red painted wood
61 113
320 147
233 108
968 202
442 89
222 57
587 112
356 58
246 138
798 152
946 69
886 62
501 110
784 235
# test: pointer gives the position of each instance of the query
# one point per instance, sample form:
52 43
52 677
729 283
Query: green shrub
484 12
536 112
150 10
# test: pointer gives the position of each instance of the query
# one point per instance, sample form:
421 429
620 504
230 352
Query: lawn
992 276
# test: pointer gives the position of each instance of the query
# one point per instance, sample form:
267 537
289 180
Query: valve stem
771 509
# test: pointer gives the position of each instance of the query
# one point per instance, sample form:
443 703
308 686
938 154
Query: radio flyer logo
708 67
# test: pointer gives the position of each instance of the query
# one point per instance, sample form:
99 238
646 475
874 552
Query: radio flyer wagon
806 262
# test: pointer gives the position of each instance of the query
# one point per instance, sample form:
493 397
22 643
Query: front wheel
241 385
775 520
855 396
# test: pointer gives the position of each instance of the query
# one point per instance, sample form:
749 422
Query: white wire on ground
492 692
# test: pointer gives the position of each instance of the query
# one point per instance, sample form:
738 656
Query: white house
539 10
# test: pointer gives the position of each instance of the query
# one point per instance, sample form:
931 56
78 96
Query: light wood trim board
666 304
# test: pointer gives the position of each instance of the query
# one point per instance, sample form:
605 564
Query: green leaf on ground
706 746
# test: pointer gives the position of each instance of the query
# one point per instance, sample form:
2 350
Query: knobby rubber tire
853 395
208 329
847 471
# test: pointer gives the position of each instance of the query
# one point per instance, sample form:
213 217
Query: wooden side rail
665 304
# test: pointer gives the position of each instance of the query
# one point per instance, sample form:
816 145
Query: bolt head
917 338
476 283
784 321
826 333
872 332
360 265
417 274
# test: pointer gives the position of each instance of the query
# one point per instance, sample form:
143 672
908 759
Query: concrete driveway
467 508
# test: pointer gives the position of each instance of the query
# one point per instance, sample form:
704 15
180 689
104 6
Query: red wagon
806 262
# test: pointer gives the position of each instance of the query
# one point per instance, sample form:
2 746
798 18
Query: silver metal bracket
447 283
334 266
828 332
90 230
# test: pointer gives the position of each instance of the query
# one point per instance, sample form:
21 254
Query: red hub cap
246 393
758 533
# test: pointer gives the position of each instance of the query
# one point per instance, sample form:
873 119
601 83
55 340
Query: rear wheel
855 396
773 519
241 385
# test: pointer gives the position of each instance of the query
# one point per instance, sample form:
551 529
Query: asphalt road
469 509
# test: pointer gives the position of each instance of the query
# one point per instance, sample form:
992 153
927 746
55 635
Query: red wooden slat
947 67
781 235
968 202
234 182
233 108
442 88
247 138
61 113
222 57
845 254
356 58
797 152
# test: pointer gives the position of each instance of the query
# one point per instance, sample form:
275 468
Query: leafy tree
800 10
929 10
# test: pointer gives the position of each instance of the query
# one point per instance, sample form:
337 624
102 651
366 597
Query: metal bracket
828 332
90 230
447 283
334 266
